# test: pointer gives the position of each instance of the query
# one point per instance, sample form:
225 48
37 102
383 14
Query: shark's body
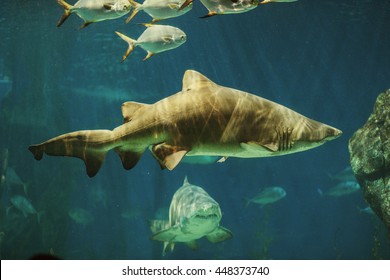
193 214
204 119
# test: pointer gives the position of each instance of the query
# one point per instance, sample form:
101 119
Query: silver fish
155 39
81 216
267 196
159 9
94 10
223 7
344 175
204 119
193 214
341 189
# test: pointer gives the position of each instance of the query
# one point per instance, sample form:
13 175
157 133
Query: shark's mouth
206 217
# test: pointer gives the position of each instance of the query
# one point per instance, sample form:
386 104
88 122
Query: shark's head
301 136
194 210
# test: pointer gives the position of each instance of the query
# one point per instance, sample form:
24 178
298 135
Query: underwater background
327 60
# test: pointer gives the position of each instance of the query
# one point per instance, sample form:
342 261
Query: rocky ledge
369 150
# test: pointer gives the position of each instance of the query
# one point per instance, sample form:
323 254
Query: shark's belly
230 150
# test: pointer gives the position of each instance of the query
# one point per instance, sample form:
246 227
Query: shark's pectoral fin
255 146
192 245
166 246
168 156
219 234
166 235
129 158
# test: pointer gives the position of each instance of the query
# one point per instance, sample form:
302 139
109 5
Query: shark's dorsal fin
186 181
129 109
194 80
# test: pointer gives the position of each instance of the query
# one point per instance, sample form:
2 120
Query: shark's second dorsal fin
194 80
129 109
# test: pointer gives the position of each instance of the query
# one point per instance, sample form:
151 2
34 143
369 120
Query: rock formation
369 150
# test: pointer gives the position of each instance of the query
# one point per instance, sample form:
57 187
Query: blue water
328 60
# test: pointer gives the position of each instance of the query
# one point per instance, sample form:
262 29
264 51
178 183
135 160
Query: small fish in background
11 179
155 39
341 189
22 204
94 10
267 195
366 210
344 175
81 216
132 213
159 9
3 169
193 214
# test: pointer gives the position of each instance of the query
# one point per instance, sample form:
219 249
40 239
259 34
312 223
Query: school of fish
156 38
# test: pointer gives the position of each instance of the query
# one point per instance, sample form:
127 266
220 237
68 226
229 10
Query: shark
193 214
203 119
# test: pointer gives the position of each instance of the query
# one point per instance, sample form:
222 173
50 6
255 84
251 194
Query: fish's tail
89 145
137 7
131 43
67 7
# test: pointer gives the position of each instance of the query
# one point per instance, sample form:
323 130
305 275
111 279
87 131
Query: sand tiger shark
203 119
193 214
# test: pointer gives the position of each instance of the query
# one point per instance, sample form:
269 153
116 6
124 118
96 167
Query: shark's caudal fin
89 145
67 12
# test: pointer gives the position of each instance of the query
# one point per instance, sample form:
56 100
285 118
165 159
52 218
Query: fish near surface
155 39
224 7
159 9
268 196
204 119
193 214
95 10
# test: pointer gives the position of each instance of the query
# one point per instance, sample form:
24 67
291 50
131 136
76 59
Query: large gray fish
193 214
204 119
94 10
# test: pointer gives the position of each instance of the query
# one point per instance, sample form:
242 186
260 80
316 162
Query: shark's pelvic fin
168 156
219 234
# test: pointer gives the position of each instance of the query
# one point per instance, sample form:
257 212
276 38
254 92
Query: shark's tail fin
131 43
89 145
67 7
